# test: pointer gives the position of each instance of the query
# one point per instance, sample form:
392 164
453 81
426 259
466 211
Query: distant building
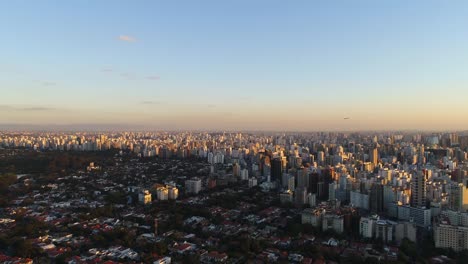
405 230
276 169
300 196
193 186
144 197
359 200
162 193
244 174
163 260
389 195
456 218
333 222
312 199
377 198
459 197
291 183
236 170
173 193
384 230
332 189
312 216
421 216
418 189
449 236
367 226
374 156
252 182
286 197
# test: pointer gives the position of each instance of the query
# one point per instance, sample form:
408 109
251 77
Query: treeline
29 162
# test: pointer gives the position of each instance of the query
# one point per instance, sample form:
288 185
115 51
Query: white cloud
127 38
47 83
153 77
151 102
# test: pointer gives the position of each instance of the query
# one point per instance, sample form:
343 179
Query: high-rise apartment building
418 189
276 169
374 156
193 186
449 236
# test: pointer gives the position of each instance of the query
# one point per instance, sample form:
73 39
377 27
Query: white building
312 198
367 226
300 196
173 193
144 197
286 197
252 182
384 230
162 193
163 260
193 186
449 236
456 218
244 174
333 222
332 188
405 230
421 216
389 195
210 158
312 216
291 183
359 200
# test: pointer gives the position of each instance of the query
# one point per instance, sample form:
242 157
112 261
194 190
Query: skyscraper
418 189
374 156
276 169
377 198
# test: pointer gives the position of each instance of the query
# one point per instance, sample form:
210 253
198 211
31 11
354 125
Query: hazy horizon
140 128
240 65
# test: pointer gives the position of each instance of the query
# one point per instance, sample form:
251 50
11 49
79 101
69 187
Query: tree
24 248
245 243
6 180
462 256
409 248
191 259
308 229
372 260
116 198
352 259
378 245
160 248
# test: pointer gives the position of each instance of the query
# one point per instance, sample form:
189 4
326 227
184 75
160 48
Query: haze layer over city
233 132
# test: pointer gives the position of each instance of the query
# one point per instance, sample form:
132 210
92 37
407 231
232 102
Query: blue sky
288 65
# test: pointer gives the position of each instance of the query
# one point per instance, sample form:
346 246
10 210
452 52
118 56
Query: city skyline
212 65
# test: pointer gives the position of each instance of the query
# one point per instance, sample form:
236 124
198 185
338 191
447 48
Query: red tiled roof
182 247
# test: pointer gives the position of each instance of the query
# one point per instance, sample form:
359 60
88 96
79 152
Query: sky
235 65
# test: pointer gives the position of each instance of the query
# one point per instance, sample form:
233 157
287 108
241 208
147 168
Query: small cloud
28 108
127 38
36 108
129 76
150 102
154 77
6 107
48 83
211 106
227 114
107 70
